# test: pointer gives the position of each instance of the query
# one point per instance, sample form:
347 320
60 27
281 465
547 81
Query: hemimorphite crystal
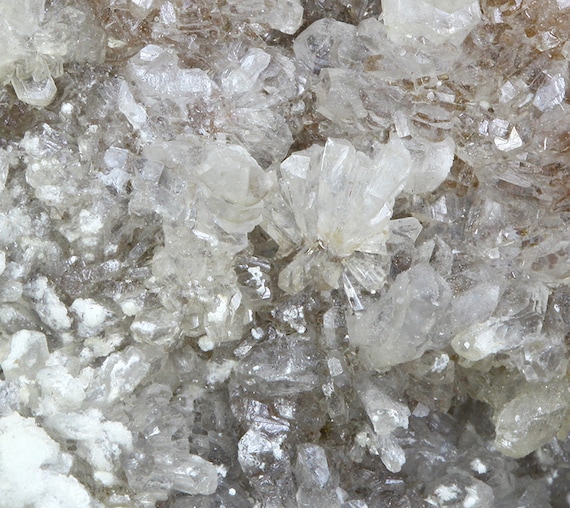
532 418
438 21
396 328
283 15
37 41
284 253
323 188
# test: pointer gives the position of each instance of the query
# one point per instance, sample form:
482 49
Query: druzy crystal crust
284 253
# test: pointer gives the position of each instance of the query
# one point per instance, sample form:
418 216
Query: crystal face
284 253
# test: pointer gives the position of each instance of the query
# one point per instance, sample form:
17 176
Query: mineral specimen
281 253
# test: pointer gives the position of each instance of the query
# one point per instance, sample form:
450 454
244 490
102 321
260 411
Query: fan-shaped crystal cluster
284 253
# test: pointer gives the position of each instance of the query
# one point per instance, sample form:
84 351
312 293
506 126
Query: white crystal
531 419
119 375
135 113
512 142
396 328
436 20
431 165
391 453
234 186
38 91
323 187
551 93
483 339
27 355
99 441
385 413
194 475
33 470
245 77
60 391
158 74
91 315
49 307
283 15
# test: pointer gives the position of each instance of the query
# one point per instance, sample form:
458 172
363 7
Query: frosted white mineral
26 355
100 442
341 203
438 21
33 469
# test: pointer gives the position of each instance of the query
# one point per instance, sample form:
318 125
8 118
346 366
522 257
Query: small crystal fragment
551 93
531 419
385 413
436 20
396 328
27 354
512 142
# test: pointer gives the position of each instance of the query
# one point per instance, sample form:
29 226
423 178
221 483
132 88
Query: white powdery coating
48 305
33 471
27 354
91 314
60 391
99 442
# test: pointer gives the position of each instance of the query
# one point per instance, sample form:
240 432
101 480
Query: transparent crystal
438 21
283 15
385 413
396 327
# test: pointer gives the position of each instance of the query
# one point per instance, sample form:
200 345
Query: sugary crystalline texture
439 21
341 203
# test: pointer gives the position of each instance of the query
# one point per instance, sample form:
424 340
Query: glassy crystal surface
282 253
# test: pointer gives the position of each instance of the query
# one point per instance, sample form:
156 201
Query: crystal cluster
284 253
